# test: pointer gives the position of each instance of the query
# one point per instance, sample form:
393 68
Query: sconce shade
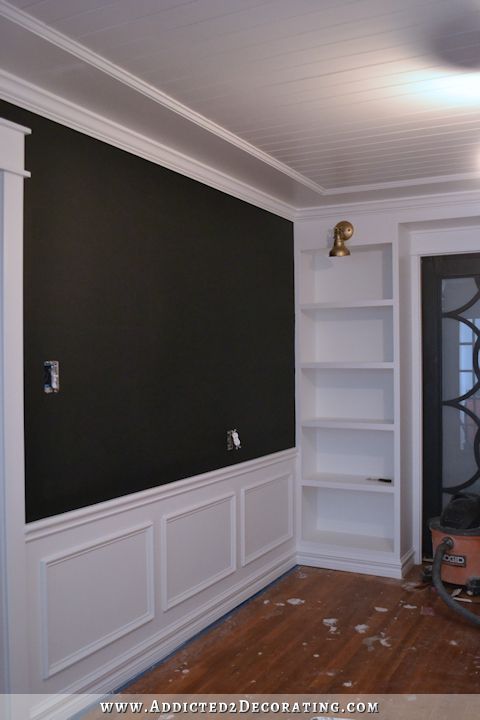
342 232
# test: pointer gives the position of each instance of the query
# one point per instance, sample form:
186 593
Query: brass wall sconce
342 232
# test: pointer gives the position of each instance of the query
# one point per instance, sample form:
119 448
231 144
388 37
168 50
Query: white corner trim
408 561
50 669
13 564
15 126
49 34
12 141
15 171
31 97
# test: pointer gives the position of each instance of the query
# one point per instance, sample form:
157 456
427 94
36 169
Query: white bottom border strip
320 706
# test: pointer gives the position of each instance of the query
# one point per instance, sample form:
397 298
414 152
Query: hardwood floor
330 632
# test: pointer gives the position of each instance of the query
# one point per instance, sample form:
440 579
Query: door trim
419 240
438 268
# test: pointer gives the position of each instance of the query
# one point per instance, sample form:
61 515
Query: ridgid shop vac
456 550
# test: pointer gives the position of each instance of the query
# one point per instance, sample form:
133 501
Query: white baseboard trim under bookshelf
391 568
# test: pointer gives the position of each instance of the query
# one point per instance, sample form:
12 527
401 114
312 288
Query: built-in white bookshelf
361 334
347 520
324 277
348 407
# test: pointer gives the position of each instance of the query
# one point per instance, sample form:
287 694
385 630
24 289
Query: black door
451 381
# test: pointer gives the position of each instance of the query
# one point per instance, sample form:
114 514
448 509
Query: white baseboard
382 568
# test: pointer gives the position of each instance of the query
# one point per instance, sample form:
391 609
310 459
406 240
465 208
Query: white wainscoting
115 587
189 567
74 582
266 512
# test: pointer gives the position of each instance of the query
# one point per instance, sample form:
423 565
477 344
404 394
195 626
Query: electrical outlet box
233 440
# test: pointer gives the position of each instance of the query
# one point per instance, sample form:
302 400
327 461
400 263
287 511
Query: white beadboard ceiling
310 101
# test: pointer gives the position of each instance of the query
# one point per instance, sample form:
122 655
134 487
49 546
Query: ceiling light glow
456 89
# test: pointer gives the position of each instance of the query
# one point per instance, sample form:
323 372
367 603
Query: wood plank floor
330 632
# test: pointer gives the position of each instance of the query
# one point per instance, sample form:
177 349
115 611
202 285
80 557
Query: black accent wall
170 307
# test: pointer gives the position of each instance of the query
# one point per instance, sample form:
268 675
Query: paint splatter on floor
410 607
331 623
362 629
295 601
382 639
381 609
411 586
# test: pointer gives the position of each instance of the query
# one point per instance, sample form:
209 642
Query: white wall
3 557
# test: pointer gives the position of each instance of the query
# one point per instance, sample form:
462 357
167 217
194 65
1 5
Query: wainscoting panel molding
198 548
266 511
92 595
115 588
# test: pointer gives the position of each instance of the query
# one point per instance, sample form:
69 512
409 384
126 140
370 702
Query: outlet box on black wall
170 308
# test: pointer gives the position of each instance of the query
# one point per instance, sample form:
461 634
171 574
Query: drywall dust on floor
362 629
304 634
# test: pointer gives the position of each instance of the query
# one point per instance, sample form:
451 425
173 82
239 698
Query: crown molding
79 51
32 97
461 177
413 202
20 92
24 94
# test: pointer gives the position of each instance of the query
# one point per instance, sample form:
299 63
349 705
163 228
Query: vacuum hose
447 544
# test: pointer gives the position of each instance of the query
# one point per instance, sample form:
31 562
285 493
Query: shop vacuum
456 551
